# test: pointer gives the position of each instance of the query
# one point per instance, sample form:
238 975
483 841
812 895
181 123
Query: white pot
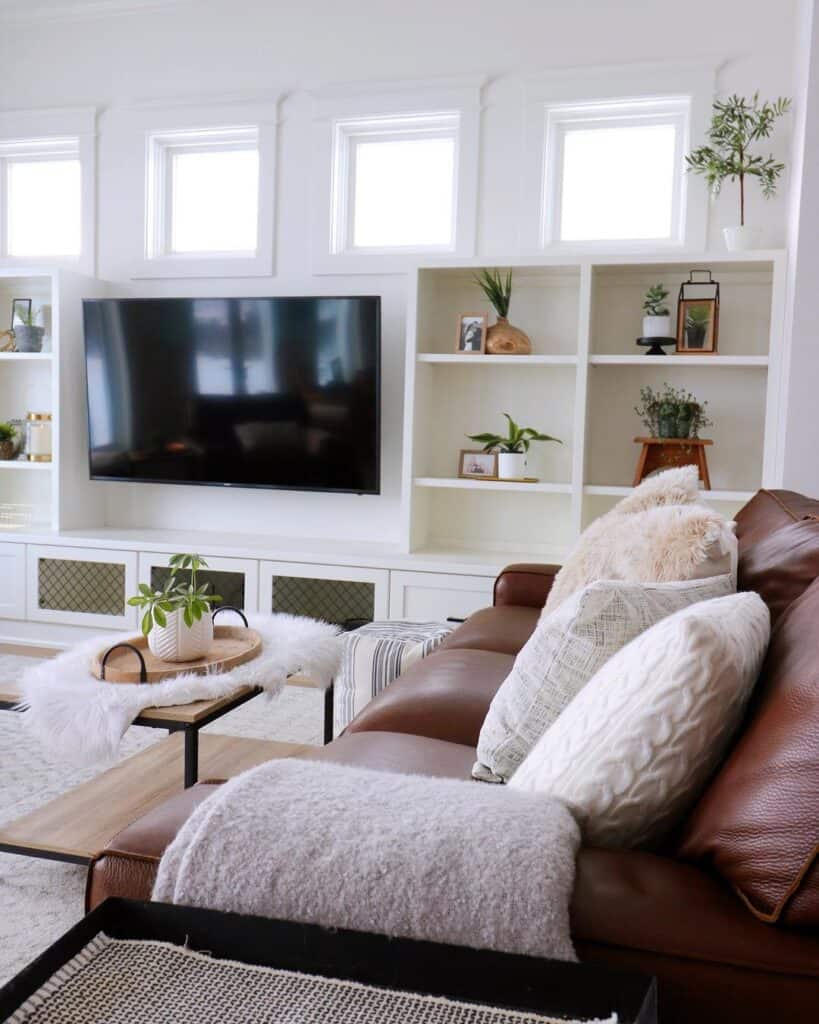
742 238
656 326
178 642
511 465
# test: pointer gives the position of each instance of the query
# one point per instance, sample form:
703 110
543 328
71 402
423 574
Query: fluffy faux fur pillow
656 545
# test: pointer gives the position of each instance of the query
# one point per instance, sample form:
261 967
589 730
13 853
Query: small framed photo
472 328
20 309
697 326
478 465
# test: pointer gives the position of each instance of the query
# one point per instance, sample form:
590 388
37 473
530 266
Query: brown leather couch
727 915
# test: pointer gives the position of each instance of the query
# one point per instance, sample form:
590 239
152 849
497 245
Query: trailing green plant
30 317
654 301
7 432
189 597
517 440
674 409
736 124
496 288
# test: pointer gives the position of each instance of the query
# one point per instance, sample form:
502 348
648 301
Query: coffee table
75 826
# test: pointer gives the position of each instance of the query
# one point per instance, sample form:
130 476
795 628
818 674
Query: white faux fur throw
80 719
402 855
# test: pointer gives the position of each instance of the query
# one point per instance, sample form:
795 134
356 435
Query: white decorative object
81 720
511 465
740 239
632 751
564 652
179 642
657 327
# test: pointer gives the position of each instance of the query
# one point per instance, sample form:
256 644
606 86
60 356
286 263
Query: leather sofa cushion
757 822
504 628
767 511
782 565
444 697
399 752
525 583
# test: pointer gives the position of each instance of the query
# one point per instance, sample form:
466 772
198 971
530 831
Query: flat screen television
238 392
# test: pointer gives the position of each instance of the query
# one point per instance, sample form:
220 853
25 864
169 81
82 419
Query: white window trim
161 126
344 114
552 96
43 134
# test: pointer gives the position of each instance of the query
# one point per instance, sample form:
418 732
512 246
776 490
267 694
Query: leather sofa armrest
525 584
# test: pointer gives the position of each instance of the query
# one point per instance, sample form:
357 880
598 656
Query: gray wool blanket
407 856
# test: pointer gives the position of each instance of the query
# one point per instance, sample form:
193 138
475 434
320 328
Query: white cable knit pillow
565 650
632 751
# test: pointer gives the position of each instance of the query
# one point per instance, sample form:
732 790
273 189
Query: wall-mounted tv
237 392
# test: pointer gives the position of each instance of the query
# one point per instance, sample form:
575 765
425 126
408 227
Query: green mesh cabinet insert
332 600
83 586
230 586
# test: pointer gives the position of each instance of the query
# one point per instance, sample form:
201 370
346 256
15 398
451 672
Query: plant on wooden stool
672 412
512 448
176 618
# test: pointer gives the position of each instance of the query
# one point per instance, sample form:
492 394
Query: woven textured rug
134 981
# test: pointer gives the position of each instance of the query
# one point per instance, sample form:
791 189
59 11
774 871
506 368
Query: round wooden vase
502 339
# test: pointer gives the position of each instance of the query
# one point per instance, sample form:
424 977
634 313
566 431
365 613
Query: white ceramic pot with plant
513 448
178 619
656 318
736 124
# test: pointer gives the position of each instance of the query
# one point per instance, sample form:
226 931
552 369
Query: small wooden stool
670 452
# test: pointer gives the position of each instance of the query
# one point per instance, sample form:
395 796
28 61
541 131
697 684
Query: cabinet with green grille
336 594
81 586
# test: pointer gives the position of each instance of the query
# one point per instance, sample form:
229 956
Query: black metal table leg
191 757
328 715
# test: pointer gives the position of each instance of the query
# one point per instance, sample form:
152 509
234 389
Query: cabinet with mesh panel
345 595
235 580
81 586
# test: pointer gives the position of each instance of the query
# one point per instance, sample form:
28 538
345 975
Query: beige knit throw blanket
408 856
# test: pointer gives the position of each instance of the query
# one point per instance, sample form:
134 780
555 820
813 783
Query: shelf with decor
519 486
715 361
486 362
25 357
14 464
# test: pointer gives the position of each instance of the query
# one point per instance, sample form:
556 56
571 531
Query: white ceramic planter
656 326
178 642
511 466
740 239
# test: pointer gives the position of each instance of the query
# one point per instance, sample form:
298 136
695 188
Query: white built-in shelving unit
580 384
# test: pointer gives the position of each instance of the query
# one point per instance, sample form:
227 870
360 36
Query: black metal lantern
698 314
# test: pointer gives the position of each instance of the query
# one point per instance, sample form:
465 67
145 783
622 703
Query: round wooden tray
232 646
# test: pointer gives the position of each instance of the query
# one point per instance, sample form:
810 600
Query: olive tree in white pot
513 448
736 124
177 619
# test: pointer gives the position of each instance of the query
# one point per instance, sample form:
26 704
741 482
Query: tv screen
256 392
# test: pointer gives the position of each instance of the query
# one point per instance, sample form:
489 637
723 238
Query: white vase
740 239
656 326
178 642
511 465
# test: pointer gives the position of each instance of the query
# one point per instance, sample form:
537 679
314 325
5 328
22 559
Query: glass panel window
43 207
214 201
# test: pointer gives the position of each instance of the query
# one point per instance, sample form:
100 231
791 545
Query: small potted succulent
8 442
656 317
28 335
697 320
177 619
513 448
502 339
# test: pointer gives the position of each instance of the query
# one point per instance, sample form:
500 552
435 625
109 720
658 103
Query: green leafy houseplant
7 447
654 303
501 338
672 412
697 320
736 124
516 442
29 318
497 289
176 595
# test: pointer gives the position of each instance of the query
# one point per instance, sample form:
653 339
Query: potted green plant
672 412
656 317
736 124
697 320
28 335
502 338
177 619
513 448
8 446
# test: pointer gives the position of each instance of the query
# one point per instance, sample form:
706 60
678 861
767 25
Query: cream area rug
40 899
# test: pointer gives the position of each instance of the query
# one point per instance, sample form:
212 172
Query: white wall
215 46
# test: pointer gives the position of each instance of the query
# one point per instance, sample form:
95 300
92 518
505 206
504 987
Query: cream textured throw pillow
564 652
632 751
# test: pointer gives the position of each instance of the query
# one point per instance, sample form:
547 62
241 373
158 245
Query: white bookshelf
581 384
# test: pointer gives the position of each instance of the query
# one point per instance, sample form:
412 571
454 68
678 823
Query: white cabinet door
13 575
81 586
436 597
241 593
330 602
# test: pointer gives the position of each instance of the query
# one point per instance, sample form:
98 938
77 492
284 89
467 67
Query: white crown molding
24 11
48 122
343 90
614 73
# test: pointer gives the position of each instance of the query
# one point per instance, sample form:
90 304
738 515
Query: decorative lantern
698 314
